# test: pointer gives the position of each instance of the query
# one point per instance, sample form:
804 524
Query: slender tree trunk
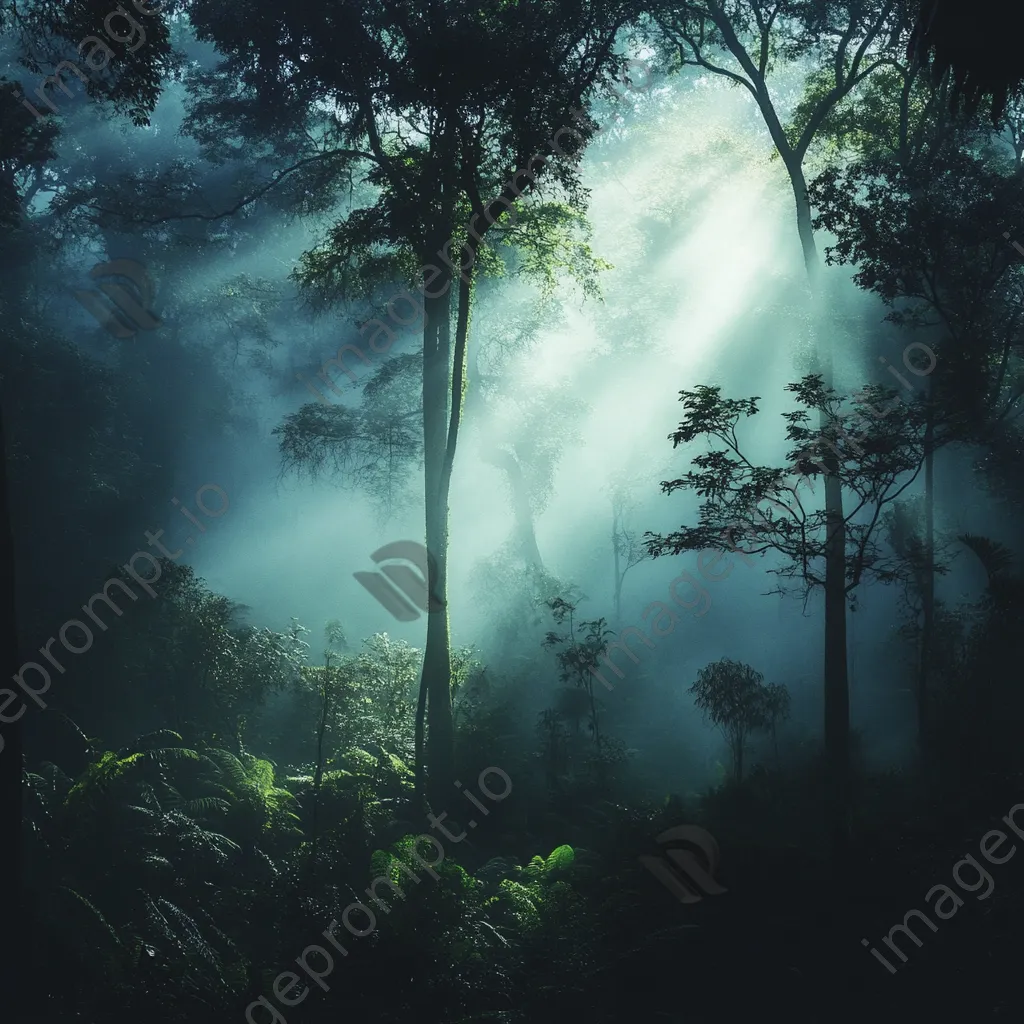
419 794
444 387
435 309
928 590
618 571
453 366
436 678
837 697
593 717
837 686
836 670
525 532
836 673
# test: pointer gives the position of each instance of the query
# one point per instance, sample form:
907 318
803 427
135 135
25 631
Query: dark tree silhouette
733 696
971 41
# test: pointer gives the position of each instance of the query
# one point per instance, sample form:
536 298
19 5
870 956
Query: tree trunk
419 790
837 697
436 680
446 369
836 672
836 677
837 685
525 533
437 670
737 758
928 589
618 572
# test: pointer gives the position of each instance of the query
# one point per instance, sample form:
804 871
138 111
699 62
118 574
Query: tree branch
249 200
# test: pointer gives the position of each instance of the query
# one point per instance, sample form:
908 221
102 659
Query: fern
152 740
91 923
163 755
204 805
994 557
561 859
229 766
516 902
535 869
99 776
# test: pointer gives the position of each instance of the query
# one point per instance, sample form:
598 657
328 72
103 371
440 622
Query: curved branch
249 200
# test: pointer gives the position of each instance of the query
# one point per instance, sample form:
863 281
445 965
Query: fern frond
204 805
994 557
159 738
90 921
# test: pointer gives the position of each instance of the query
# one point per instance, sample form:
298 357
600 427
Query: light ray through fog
719 271
698 224
729 239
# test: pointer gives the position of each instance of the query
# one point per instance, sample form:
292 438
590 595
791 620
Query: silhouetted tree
580 648
846 43
938 258
875 453
970 41
734 698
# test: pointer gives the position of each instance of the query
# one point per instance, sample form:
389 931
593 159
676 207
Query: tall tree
440 107
875 453
627 547
905 125
522 426
938 258
844 43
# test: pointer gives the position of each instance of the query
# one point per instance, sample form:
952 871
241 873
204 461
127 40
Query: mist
537 531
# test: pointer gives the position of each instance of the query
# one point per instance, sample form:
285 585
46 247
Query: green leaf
562 857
